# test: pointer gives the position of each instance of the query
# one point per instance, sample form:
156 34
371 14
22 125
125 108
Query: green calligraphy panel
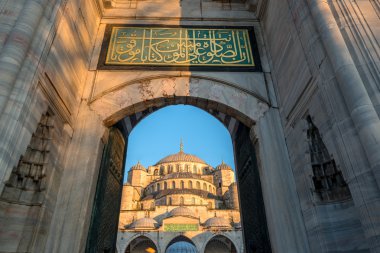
158 46
180 227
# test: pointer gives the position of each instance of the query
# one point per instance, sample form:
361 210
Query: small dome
181 247
144 223
223 166
138 166
182 211
217 222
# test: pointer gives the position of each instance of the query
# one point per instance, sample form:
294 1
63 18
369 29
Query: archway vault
133 100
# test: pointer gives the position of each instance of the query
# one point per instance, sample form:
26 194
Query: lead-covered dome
138 166
223 166
217 222
144 223
181 247
181 211
181 157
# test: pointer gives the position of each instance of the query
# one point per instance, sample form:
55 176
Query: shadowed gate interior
104 220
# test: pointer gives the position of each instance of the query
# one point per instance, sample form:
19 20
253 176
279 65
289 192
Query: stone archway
141 244
220 244
135 96
181 244
237 109
255 128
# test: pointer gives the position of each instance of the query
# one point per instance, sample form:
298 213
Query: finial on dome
181 146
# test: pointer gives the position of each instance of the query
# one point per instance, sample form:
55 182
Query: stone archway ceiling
135 99
231 123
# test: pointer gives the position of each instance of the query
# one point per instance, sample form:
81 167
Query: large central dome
181 157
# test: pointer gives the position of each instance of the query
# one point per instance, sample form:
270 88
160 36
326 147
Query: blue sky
159 135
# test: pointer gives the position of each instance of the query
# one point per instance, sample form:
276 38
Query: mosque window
165 185
169 201
156 172
182 184
204 186
178 168
328 181
194 169
190 185
173 185
209 188
198 185
181 201
158 187
187 168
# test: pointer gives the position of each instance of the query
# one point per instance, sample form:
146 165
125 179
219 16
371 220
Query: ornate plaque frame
193 48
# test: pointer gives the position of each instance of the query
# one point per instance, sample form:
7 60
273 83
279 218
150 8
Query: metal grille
105 214
252 208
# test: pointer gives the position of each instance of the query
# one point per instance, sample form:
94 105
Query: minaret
181 147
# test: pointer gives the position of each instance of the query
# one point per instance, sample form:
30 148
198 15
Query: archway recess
141 244
257 135
220 244
181 244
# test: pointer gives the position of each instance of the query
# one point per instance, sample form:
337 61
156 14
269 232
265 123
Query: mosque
180 204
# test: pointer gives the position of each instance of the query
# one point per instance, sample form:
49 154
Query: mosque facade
180 204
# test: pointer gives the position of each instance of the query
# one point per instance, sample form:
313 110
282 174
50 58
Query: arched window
209 188
182 184
178 168
205 186
156 172
165 185
173 185
170 169
158 187
198 185
190 184
169 201
181 201
187 168
194 169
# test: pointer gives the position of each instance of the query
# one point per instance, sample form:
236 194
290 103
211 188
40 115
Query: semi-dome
138 166
181 211
181 247
223 166
217 222
144 223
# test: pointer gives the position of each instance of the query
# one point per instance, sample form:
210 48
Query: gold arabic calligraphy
179 46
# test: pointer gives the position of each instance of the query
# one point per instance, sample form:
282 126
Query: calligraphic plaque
179 46
180 227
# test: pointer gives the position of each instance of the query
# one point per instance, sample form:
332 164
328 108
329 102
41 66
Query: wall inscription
179 47
180 227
